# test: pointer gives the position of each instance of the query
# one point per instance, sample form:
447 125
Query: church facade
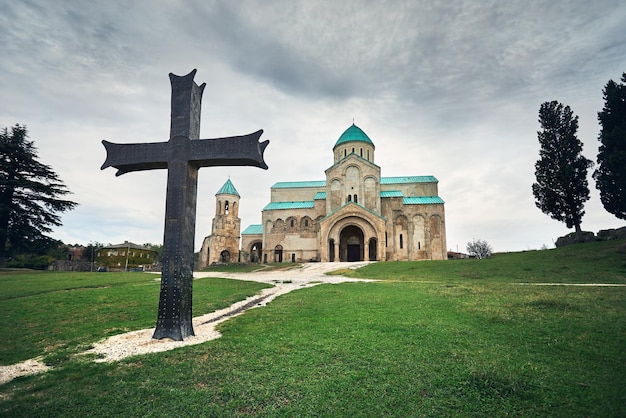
354 214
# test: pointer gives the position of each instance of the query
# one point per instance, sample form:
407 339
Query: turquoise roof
299 184
353 133
391 193
423 200
228 188
253 230
320 196
309 204
408 179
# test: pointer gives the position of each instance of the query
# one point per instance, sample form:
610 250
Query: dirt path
140 342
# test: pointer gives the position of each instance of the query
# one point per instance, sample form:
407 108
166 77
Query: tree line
561 187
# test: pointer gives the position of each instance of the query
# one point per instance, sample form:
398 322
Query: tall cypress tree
610 175
29 194
561 189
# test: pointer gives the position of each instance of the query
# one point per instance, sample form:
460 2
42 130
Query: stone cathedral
355 214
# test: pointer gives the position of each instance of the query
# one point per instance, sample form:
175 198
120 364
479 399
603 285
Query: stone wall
603 235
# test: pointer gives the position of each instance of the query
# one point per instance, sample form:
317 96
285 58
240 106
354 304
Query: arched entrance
255 252
351 244
225 257
278 254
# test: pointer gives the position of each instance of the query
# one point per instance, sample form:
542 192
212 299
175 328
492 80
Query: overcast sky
445 88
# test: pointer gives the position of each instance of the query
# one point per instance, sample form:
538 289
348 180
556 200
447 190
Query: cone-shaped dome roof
228 188
353 133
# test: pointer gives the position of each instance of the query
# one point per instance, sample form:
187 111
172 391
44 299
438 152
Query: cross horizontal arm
243 150
135 157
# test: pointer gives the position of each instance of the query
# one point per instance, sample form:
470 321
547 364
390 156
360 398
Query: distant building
125 256
353 214
222 246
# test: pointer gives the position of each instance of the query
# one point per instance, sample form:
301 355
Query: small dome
228 188
352 134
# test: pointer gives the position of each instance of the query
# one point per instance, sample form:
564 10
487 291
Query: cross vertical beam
175 316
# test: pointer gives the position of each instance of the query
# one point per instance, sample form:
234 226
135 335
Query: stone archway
255 252
225 257
351 244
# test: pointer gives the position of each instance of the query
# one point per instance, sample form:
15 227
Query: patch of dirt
140 342
25 368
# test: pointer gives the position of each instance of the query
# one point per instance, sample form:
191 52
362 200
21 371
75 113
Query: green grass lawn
55 315
450 338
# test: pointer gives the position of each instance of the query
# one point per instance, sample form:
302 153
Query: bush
479 248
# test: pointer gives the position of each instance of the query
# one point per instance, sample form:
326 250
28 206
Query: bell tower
222 246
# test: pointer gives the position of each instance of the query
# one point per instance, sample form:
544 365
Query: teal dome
228 188
352 134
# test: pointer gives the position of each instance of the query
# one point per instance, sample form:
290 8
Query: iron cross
182 156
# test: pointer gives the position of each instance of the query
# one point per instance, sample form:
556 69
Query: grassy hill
450 338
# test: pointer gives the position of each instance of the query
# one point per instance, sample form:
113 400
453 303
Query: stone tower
222 246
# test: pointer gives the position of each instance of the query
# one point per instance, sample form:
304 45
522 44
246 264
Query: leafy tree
29 195
561 189
479 248
610 175
156 247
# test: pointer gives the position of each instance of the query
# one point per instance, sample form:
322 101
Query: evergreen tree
29 194
561 189
610 175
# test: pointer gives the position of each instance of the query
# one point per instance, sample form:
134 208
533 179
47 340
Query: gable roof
298 184
308 204
422 200
408 179
391 193
253 230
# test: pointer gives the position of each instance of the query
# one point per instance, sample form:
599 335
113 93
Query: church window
292 223
349 198
385 238
419 245
356 198
361 152
306 222
401 242
368 155
226 207
353 150
345 152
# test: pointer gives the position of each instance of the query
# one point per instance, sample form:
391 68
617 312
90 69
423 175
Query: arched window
349 198
356 198
226 207
345 152
361 152
292 223
401 242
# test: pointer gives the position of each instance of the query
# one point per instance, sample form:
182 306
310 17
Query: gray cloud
444 88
